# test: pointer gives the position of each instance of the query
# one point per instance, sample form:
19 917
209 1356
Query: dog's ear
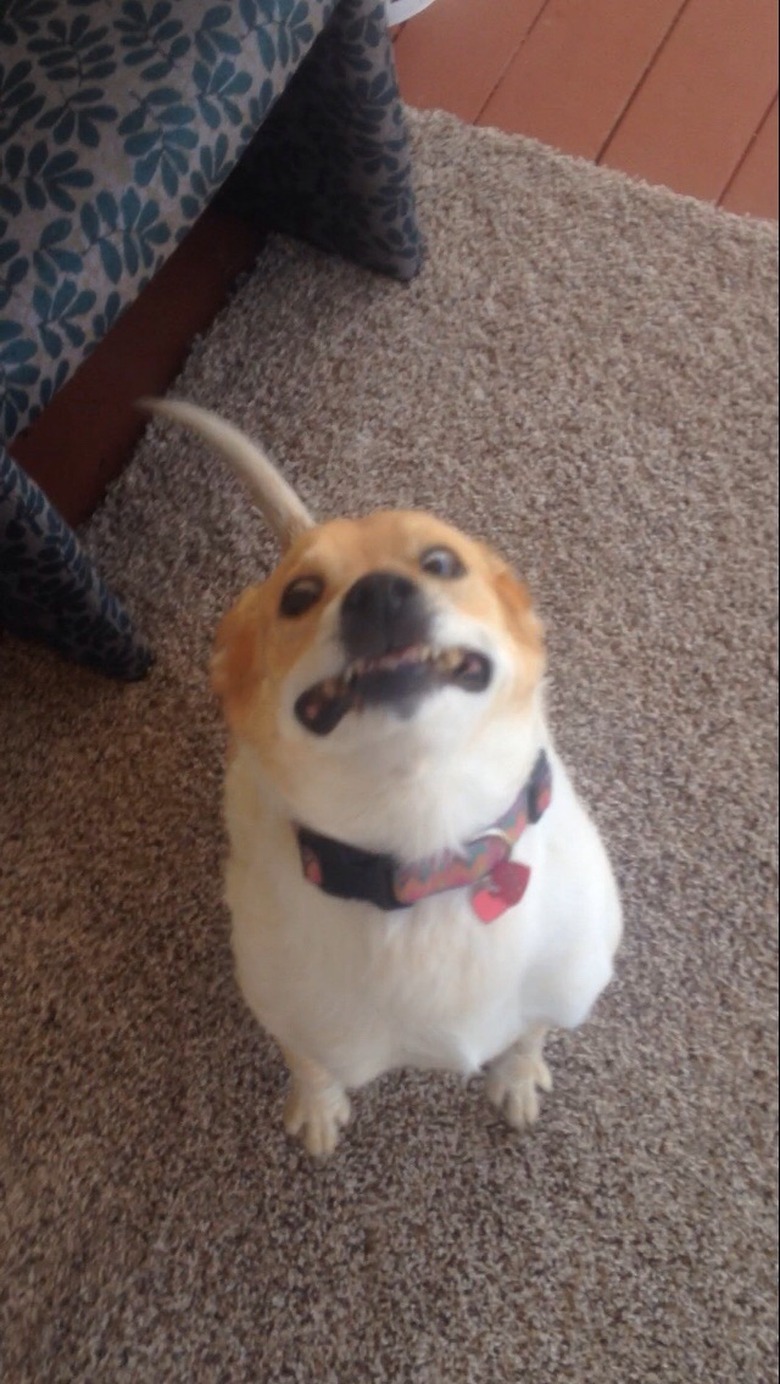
522 620
236 664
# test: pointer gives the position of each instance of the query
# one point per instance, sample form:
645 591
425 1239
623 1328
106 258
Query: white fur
284 513
361 992
351 992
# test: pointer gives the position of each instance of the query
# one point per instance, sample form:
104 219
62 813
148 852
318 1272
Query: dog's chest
434 986
362 991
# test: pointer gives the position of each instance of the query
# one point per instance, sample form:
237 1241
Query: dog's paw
512 1086
316 1117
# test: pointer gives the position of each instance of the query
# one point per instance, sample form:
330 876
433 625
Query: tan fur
255 651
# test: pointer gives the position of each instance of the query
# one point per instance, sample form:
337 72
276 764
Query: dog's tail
277 501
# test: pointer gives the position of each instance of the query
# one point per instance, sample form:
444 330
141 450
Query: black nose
382 612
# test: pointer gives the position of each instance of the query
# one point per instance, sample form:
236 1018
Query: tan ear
524 624
236 661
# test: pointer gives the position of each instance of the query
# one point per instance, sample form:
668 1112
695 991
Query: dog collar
496 882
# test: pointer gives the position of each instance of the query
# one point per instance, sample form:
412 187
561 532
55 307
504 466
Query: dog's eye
300 595
442 562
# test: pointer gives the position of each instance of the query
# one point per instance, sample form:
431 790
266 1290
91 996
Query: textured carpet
584 374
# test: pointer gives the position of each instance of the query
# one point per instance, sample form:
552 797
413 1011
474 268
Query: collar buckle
494 834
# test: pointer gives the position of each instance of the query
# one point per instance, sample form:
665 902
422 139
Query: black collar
347 872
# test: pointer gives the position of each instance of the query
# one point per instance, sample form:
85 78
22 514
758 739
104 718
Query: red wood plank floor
678 92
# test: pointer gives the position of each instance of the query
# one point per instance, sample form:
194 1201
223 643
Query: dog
413 880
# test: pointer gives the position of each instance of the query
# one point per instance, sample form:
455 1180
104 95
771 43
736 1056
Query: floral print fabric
118 124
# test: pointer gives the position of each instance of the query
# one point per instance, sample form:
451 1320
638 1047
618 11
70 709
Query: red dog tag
501 889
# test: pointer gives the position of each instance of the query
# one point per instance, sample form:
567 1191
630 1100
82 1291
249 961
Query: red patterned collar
495 881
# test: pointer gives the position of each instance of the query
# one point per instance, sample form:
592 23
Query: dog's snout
381 612
379 595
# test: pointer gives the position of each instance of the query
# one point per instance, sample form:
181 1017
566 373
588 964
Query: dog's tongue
321 710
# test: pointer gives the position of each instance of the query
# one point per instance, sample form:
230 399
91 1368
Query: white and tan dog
412 879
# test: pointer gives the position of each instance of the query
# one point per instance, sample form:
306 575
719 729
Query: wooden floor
679 92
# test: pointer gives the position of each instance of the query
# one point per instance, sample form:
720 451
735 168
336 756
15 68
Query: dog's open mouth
399 679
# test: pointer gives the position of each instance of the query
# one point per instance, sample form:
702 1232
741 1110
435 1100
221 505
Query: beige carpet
584 374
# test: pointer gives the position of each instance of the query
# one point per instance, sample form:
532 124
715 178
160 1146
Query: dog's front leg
513 1078
317 1106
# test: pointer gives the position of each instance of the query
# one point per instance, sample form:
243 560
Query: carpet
584 374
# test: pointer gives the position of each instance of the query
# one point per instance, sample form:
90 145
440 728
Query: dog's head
388 666
395 625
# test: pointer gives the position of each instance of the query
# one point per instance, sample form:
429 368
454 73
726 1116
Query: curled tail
284 513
